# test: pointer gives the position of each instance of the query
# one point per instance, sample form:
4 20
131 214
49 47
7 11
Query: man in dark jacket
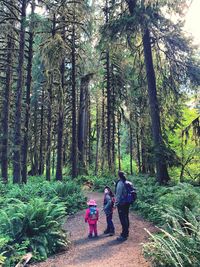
122 206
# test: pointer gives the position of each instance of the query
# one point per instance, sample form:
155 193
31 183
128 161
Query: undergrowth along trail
104 250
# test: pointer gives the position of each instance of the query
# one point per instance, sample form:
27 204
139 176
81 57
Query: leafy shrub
31 218
47 191
154 201
181 196
125 164
98 182
176 209
3 242
35 227
178 245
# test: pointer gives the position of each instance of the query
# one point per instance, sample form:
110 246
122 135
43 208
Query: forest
88 88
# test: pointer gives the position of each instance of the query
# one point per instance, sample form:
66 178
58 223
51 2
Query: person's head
92 203
107 190
122 175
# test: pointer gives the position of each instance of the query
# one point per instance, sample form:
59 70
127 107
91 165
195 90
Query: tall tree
28 94
83 122
18 102
6 108
59 165
73 80
159 147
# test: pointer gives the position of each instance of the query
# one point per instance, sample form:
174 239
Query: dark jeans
110 225
123 211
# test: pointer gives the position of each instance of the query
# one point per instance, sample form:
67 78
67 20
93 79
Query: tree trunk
103 130
18 102
41 161
131 148
49 116
143 151
161 167
108 92
98 136
28 99
89 137
119 141
74 136
65 149
83 122
53 159
59 166
138 144
49 128
35 166
6 111
113 123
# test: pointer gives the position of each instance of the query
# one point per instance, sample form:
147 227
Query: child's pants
93 228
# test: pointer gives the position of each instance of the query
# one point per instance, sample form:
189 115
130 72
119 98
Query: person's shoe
106 232
121 238
111 233
96 235
90 236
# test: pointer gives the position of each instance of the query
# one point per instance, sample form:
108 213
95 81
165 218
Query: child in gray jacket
108 209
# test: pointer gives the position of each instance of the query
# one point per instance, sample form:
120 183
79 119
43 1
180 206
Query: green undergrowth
96 183
32 217
175 209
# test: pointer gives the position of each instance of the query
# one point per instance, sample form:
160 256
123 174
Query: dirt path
104 250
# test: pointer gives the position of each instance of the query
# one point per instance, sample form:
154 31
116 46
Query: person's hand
85 220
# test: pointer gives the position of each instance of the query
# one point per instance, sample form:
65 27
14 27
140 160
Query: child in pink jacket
91 217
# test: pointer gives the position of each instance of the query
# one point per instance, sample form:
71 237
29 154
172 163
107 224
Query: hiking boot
96 235
90 236
121 238
111 233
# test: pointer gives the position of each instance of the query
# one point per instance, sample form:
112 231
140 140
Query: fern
178 245
38 224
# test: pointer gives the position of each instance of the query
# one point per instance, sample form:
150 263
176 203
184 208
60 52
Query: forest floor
104 250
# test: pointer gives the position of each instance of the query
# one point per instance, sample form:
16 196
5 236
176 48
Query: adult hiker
122 205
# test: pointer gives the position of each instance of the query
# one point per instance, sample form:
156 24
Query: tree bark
83 124
35 165
74 136
138 144
161 167
18 102
59 165
97 138
49 128
131 148
119 140
108 92
49 116
113 123
28 99
89 133
103 130
41 161
143 151
6 110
